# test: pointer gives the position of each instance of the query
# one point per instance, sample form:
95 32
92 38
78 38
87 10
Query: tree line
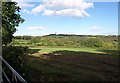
69 41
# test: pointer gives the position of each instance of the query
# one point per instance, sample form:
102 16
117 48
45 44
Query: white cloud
22 3
49 12
17 0
66 12
26 11
27 0
25 4
72 12
80 4
36 28
95 29
75 8
37 9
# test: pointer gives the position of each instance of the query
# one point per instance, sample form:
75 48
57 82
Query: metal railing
15 75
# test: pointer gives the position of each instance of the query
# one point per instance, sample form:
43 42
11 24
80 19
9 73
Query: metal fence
15 76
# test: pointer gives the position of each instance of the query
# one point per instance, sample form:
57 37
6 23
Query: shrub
35 40
92 42
15 56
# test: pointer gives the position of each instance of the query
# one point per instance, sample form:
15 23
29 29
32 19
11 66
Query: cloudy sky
68 17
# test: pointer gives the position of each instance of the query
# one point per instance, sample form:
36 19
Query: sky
68 17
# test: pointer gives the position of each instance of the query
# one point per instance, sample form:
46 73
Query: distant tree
27 37
93 42
17 37
10 20
35 40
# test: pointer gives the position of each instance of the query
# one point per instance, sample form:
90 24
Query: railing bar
14 72
6 76
16 79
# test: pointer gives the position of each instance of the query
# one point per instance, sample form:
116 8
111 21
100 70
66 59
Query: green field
71 64
85 49
51 49
70 58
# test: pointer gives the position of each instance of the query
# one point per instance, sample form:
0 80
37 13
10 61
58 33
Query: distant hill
78 35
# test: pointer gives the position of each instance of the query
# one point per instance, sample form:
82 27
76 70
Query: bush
15 56
35 40
92 42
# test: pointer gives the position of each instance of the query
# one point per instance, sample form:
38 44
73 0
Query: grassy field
51 49
71 64
72 61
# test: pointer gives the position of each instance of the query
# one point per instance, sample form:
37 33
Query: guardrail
15 75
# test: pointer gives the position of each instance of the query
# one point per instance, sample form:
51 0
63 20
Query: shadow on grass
111 52
74 66
31 51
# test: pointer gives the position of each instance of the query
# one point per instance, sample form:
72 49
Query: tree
10 20
35 40
93 42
